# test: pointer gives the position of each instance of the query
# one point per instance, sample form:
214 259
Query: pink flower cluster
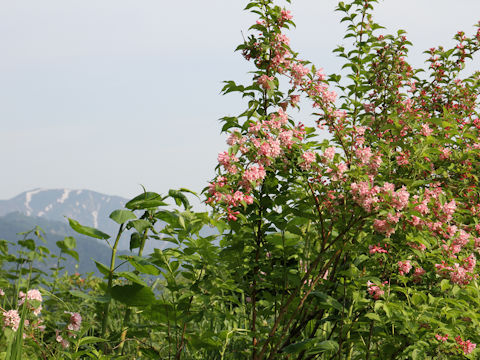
265 81
366 196
467 346
441 338
34 295
75 321
74 325
373 249
374 290
459 274
266 141
404 267
11 319
307 159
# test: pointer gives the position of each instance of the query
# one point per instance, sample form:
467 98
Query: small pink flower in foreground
65 344
11 319
33 294
75 321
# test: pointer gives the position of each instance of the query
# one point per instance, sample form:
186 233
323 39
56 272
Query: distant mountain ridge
88 207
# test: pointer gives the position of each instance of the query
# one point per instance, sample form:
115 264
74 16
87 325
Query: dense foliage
362 245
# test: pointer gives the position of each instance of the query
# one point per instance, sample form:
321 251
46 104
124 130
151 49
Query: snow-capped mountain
89 208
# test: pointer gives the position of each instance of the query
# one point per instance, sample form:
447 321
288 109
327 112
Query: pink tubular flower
383 227
445 154
441 338
65 344
400 198
426 131
329 153
417 274
376 249
364 155
264 81
374 290
33 294
308 157
404 267
75 321
459 275
467 346
294 99
449 209
254 173
286 15
11 319
365 196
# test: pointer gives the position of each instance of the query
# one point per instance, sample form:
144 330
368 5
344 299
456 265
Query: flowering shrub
372 234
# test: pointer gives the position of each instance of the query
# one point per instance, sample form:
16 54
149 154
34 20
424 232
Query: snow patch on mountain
28 200
64 197
95 218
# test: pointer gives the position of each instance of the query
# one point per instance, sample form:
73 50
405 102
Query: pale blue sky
107 95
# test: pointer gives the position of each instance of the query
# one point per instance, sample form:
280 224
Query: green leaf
132 277
445 284
122 216
28 243
140 225
80 294
373 316
418 298
72 253
179 198
327 301
88 231
90 340
70 242
135 241
141 264
146 200
102 268
299 346
133 295
327 345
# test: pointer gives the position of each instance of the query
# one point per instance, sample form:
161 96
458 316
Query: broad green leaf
299 346
122 216
141 264
133 295
102 268
327 345
90 340
28 243
80 294
326 301
140 225
132 277
88 231
146 200
373 316
70 242
72 253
